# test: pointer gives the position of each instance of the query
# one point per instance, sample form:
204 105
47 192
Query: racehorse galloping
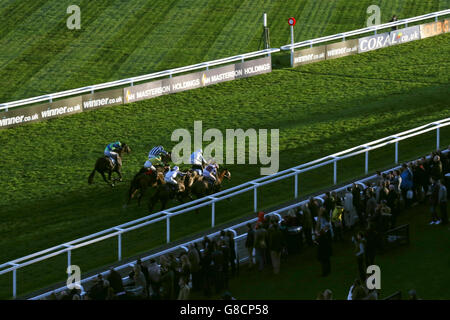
104 164
164 191
141 182
201 187
146 178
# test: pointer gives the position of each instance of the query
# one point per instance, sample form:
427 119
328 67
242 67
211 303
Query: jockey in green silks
111 150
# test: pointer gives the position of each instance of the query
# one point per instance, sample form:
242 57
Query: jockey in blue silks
111 151
154 157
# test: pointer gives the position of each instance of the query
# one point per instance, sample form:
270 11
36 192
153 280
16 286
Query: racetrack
121 39
319 109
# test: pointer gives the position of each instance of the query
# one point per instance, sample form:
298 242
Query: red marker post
291 22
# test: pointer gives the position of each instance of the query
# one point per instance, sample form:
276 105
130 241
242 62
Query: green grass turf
320 109
120 39
422 266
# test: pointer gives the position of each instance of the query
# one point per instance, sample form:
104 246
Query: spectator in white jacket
349 210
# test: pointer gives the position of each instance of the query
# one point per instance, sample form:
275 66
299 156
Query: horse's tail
91 177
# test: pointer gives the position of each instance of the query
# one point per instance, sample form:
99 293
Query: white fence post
168 228
255 199
213 214
396 152
69 258
367 162
438 142
14 283
335 171
292 48
296 186
119 246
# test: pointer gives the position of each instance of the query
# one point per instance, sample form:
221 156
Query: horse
201 187
104 164
164 191
141 183
145 179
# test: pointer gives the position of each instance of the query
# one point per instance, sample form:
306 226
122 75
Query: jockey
210 172
111 150
151 163
154 158
156 152
171 175
198 161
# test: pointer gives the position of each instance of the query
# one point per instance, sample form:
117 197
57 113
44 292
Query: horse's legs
163 203
141 194
131 194
152 202
104 178
119 172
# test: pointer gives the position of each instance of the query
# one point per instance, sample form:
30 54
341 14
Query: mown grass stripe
60 72
302 27
231 35
27 33
14 13
328 11
121 43
200 36
162 40
444 4
32 62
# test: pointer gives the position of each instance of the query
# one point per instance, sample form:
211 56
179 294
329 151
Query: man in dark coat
325 250
115 281
275 239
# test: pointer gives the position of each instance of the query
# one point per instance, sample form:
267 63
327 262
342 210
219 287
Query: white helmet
175 168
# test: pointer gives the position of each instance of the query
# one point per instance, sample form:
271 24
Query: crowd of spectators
205 268
363 213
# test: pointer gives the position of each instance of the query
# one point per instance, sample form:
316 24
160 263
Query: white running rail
132 81
240 238
118 231
374 29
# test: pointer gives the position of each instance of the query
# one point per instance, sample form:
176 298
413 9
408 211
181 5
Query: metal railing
168 214
370 29
239 240
132 81
206 65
